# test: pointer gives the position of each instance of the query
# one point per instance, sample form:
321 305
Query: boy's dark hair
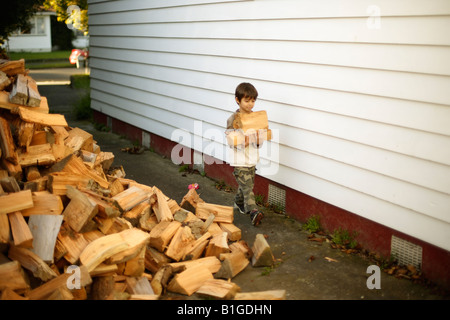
246 90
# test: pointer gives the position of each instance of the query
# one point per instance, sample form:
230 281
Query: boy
245 156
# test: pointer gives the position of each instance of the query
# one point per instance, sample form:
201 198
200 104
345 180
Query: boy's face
246 104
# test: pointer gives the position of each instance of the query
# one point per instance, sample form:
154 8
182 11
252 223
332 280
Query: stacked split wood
247 126
73 227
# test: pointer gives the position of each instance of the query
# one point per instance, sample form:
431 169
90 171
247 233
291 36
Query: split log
5 233
182 238
214 229
7 142
58 182
80 209
235 137
76 166
190 200
222 213
212 263
262 254
46 119
105 160
254 120
20 231
234 233
34 98
37 155
130 197
14 108
4 80
12 276
162 233
218 289
117 247
106 207
9 184
45 203
103 270
232 264
138 286
19 92
79 139
161 208
135 267
46 290
195 249
159 281
25 132
32 173
217 245
190 280
102 287
134 215
31 261
9 294
73 243
262 295
13 67
154 259
45 229
135 239
243 247
14 170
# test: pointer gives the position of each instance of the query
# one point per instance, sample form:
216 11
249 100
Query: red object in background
76 53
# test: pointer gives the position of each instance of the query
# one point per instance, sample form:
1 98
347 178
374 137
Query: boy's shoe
256 217
240 208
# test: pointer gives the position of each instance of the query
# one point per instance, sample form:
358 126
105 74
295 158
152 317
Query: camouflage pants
245 177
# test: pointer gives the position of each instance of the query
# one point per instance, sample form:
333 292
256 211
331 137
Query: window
36 27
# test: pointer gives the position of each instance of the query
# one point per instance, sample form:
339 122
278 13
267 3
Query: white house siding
357 92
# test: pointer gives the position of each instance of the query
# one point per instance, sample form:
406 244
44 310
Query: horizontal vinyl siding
362 115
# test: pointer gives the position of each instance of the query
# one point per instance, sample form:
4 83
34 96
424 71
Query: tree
72 12
15 15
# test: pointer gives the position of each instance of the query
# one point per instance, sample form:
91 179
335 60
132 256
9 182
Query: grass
312 224
81 81
344 238
44 60
40 55
82 107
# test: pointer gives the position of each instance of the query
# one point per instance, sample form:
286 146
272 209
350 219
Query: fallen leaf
311 258
330 259
411 269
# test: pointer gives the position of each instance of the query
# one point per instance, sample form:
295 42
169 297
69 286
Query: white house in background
36 39
357 92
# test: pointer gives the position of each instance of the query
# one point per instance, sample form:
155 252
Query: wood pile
73 227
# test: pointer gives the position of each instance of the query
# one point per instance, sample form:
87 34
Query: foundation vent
277 197
406 252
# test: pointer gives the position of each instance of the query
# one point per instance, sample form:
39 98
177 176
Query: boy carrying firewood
244 155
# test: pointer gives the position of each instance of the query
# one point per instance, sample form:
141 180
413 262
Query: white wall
357 91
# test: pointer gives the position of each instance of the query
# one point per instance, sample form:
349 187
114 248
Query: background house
356 92
38 38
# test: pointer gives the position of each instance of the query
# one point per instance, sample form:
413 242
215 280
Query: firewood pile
73 227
